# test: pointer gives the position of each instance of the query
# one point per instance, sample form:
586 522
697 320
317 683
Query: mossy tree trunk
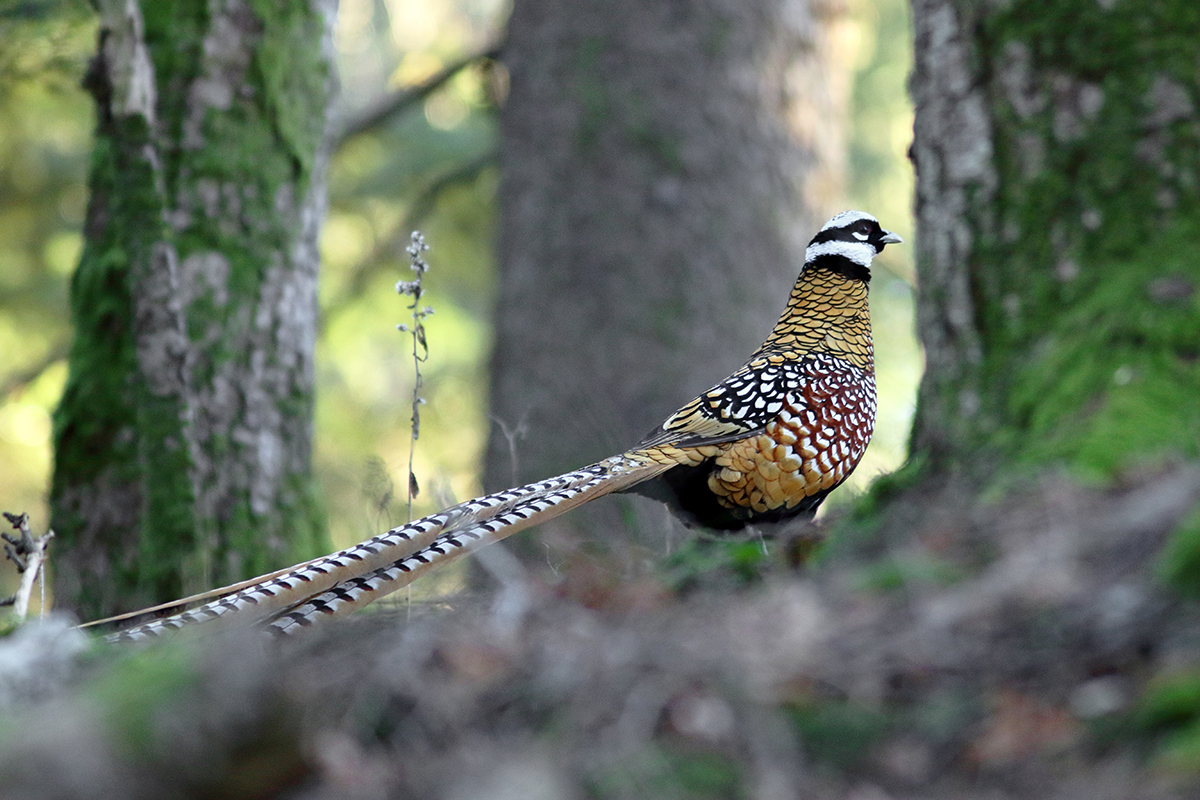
1057 152
663 167
182 442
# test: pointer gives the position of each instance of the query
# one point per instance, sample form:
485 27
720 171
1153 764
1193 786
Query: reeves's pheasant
766 444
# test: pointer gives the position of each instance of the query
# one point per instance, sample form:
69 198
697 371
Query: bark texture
183 438
1057 151
663 167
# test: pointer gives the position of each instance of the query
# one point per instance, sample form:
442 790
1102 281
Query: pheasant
765 445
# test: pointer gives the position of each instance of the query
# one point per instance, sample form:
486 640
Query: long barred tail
349 579
536 507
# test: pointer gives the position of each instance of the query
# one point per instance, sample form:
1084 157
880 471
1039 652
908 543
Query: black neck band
842 266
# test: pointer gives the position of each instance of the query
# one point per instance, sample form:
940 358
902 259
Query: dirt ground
1036 648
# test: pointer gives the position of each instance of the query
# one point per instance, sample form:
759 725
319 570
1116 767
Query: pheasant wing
736 408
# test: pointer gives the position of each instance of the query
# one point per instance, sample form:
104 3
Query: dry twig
420 347
28 552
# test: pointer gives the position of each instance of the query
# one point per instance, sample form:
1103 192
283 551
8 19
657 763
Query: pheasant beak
890 238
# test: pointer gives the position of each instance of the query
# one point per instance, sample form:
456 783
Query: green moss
106 399
1170 702
1113 382
1170 712
1179 562
157 705
168 523
706 774
709 562
96 404
1087 289
129 693
1180 750
98 401
668 773
592 95
891 573
174 35
294 76
839 733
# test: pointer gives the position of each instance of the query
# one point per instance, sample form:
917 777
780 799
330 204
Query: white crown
846 218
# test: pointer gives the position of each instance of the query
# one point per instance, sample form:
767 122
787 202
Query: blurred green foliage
894 572
716 562
1170 708
671 773
432 167
1179 563
838 733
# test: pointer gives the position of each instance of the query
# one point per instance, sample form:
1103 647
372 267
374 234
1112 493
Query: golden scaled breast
826 313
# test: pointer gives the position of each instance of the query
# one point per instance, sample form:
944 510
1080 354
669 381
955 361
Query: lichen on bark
183 438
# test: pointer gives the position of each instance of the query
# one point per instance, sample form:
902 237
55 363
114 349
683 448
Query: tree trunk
182 441
663 167
1058 195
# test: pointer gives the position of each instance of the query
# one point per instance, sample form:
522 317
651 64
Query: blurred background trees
400 158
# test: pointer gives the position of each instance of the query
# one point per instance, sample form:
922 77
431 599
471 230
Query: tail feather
534 508
357 575
211 594
263 595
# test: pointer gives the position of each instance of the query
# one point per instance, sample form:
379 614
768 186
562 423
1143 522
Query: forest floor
1041 647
